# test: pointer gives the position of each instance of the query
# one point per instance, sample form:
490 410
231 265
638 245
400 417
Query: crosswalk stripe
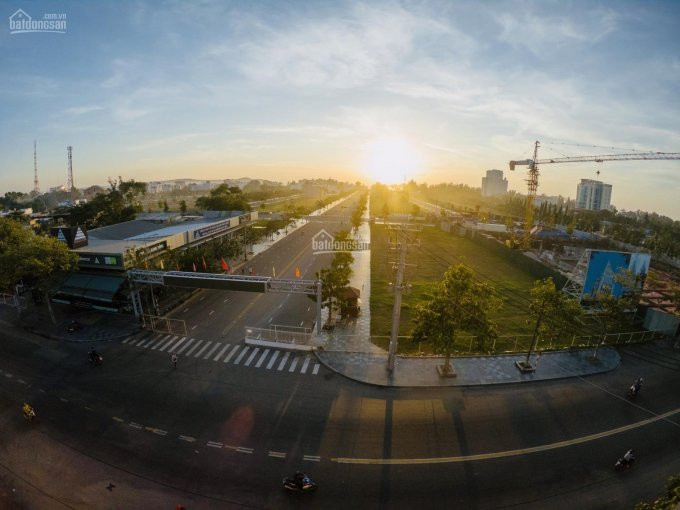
145 344
199 342
127 339
259 361
240 356
283 361
316 369
202 349
233 351
162 341
216 346
186 345
171 341
250 358
293 364
273 359
303 370
175 346
219 354
134 341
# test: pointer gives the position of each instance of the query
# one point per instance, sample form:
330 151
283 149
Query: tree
555 313
223 198
458 304
115 206
166 208
669 500
183 206
335 277
36 261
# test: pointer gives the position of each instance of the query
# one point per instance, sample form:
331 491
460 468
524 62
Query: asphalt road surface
220 431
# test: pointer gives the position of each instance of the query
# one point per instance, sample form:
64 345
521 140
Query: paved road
220 433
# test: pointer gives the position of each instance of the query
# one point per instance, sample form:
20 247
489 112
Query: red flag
225 266
194 264
205 268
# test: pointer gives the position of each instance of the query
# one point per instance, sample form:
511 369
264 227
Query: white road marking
202 349
316 369
283 361
134 341
21 381
302 322
159 432
127 340
215 347
134 425
280 455
273 359
176 345
188 439
270 320
233 351
312 458
63 399
304 366
202 298
259 361
214 444
89 408
240 356
293 364
211 312
172 341
309 308
185 310
243 450
185 345
193 348
226 300
8 375
193 327
252 355
219 354
119 420
160 341
146 344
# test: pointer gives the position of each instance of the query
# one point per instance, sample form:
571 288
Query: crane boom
532 181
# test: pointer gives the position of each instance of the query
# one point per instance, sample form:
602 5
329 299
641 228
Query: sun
391 160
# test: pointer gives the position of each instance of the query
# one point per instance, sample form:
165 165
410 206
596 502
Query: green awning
91 287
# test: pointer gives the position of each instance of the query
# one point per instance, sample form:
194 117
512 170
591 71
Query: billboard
605 266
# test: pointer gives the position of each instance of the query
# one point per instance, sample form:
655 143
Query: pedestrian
174 359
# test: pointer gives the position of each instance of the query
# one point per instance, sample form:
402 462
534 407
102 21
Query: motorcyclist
94 355
637 384
629 456
28 411
299 479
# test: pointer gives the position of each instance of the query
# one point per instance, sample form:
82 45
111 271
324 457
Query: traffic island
446 371
525 367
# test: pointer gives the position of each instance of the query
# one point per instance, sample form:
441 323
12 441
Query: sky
436 91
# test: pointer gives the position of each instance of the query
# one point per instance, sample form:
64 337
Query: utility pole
36 184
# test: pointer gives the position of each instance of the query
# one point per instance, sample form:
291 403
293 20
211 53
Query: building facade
593 195
494 183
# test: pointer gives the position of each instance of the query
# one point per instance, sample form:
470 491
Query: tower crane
532 179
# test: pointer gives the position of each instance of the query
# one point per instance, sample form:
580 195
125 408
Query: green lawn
439 250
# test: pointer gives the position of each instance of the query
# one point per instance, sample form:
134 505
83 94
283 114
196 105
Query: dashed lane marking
193 327
214 444
63 399
243 449
119 420
252 355
215 347
259 361
278 455
272 359
185 310
8 375
240 356
188 439
202 349
231 353
135 425
159 432
219 354
21 381
225 300
211 312
312 458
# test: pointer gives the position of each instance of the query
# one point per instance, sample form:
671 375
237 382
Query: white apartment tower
593 195
494 183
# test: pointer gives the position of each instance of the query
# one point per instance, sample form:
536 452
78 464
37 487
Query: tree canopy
224 198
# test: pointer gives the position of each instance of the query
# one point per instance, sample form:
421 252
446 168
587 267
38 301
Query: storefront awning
91 287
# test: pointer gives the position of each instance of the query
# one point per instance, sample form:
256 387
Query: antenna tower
69 183
36 185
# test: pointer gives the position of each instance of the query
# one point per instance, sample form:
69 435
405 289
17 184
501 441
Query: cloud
81 110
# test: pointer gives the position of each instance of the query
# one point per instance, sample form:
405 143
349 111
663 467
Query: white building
494 183
593 195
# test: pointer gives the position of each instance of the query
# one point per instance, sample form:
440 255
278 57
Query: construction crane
532 180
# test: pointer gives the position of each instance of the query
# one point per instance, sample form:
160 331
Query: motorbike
29 413
306 485
632 391
622 464
73 326
96 360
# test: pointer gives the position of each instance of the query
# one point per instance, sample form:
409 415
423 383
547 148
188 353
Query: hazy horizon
433 91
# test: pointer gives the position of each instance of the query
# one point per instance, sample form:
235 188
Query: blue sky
288 90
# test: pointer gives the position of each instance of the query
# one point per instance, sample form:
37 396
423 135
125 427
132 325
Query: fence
281 334
464 345
164 325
